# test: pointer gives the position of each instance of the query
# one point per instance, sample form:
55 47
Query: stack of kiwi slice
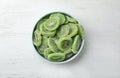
57 36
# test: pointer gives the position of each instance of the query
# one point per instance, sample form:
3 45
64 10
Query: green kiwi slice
64 43
37 38
43 45
56 57
52 45
63 31
47 51
73 29
81 31
51 24
46 32
69 55
58 16
76 44
71 20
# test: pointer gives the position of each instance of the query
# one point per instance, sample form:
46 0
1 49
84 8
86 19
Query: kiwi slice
63 31
46 32
52 45
58 16
37 38
40 23
56 57
68 51
81 31
64 43
73 29
69 55
43 45
47 51
51 24
71 20
76 44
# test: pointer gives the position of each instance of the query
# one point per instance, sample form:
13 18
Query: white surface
99 59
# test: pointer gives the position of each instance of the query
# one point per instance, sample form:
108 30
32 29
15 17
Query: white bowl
71 58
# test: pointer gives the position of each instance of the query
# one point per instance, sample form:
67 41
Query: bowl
64 61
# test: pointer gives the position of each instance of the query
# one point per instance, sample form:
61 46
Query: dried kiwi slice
52 45
56 57
37 38
43 45
69 55
47 52
71 20
58 16
45 32
63 31
76 44
64 43
68 51
81 31
73 29
40 23
51 24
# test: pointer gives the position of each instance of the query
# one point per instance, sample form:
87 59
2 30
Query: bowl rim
71 58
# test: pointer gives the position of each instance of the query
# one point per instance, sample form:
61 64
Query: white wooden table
100 57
